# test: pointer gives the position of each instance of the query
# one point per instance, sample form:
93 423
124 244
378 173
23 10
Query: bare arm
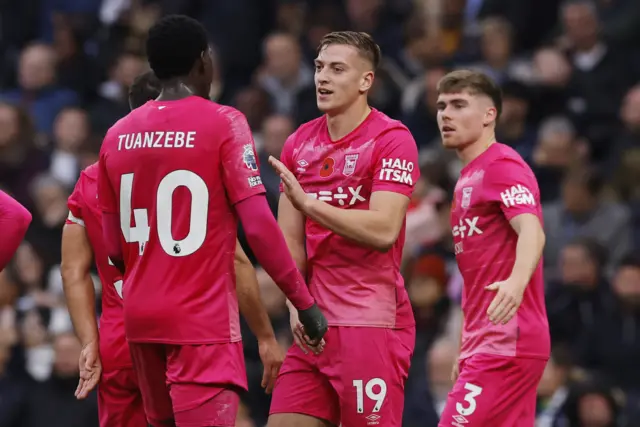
77 258
378 227
251 306
291 222
529 248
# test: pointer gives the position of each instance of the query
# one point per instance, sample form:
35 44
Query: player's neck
475 149
175 89
340 125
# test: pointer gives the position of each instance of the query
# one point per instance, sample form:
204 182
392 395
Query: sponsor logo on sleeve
517 195
254 181
249 158
396 170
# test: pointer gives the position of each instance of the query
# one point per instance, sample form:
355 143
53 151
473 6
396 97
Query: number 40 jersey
173 170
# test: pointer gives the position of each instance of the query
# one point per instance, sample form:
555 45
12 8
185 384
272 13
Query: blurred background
571 78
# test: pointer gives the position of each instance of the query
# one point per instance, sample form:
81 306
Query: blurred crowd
570 72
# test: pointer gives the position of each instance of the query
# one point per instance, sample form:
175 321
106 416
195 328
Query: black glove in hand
314 322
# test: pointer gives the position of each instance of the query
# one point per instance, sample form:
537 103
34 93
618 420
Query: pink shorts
119 400
494 391
190 385
358 380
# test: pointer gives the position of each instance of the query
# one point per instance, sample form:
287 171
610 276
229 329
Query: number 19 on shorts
375 389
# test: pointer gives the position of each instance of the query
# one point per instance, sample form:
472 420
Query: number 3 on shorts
470 398
376 396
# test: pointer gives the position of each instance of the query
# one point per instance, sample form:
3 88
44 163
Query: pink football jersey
492 189
173 170
84 210
354 285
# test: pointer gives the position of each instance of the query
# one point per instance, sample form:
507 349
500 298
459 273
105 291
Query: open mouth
447 128
325 91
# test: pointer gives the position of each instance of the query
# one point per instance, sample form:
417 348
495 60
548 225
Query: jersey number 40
140 232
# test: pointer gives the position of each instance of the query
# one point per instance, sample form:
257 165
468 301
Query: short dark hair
363 42
145 87
475 82
588 177
174 44
595 251
630 260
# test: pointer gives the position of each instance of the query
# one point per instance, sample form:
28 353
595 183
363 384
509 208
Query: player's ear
490 116
367 81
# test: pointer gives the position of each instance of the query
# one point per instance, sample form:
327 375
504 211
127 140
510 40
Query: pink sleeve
512 184
396 163
75 203
240 170
286 156
268 245
14 221
106 195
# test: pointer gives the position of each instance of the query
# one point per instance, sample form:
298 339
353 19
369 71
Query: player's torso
114 350
177 222
485 248
353 284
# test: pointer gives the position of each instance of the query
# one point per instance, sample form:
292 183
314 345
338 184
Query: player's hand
90 369
506 302
290 184
315 324
272 357
455 371
301 339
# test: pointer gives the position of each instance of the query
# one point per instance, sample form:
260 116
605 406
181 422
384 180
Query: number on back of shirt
141 231
375 390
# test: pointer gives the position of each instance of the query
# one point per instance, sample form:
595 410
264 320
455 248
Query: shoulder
505 159
90 173
387 128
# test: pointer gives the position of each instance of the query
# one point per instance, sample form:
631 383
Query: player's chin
449 142
325 106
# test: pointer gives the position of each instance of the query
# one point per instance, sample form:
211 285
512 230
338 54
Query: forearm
81 301
269 246
367 227
249 301
528 253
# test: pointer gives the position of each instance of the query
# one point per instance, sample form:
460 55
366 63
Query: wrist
307 204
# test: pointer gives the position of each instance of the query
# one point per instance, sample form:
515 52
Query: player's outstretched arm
14 221
255 314
77 258
531 240
291 222
268 244
378 227
513 186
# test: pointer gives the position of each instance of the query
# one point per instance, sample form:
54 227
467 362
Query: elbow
71 274
384 241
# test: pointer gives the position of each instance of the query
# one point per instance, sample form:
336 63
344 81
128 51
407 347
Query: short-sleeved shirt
493 189
354 285
172 171
84 211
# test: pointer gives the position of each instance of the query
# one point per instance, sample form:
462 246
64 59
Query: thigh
204 382
150 366
119 400
302 390
370 374
494 391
